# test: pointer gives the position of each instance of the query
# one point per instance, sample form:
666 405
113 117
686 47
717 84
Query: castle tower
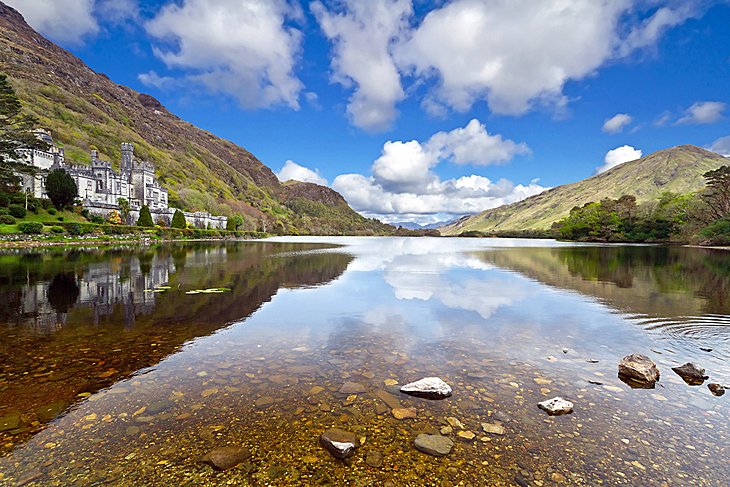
127 156
94 157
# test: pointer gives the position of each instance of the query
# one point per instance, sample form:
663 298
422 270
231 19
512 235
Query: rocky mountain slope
86 110
678 170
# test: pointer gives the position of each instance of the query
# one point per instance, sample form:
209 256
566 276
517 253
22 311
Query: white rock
429 387
556 406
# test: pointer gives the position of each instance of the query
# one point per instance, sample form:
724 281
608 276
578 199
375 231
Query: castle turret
94 157
127 156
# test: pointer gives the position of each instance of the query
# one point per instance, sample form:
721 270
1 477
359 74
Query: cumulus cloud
66 21
477 50
403 184
242 48
292 170
703 112
362 38
117 11
721 146
618 156
616 124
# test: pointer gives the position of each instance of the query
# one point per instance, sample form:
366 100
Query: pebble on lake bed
556 406
226 458
428 387
716 389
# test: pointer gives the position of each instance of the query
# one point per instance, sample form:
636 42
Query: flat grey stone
428 387
436 445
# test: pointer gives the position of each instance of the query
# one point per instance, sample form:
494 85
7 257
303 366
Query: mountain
678 170
86 110
418 226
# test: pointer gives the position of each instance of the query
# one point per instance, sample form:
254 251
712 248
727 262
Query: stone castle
100 186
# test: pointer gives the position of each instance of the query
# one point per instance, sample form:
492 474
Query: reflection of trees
63 292
663 281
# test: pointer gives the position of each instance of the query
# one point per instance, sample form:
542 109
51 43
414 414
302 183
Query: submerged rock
716 389
341 444
10 422
691 374
429 388
493 428
405 413
638 371
226 457
352 388
374 459
51 411
436 445
556 406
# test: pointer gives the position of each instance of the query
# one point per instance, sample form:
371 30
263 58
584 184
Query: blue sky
420 110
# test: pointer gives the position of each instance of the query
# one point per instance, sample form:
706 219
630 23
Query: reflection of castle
101 287
100 186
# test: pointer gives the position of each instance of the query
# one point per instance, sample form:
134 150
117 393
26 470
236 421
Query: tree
123 204
717 194
16 132
61 188
145 217
234 222
178 220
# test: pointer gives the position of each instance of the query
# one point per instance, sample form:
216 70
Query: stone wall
198 219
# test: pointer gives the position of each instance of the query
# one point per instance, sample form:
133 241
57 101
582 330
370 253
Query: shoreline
29 244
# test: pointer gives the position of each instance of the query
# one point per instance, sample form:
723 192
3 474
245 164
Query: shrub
60 218
178 220
52 211
7 220
30 227
98 219
4 200
57 229
114 218
75 229
18 211
145 217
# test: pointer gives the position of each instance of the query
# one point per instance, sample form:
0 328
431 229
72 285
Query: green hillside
678 170
85 110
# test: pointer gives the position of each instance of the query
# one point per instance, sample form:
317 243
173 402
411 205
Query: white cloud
703 112
67 21
616 124
362 38
403 182
721 146
618 156
473 145
243 48
292 170
117 11
516 55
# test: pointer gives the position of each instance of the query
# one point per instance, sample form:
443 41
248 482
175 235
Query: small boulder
341 444
716 389
226 457
436 445
638 371
691 374
429 388
493 428
556 406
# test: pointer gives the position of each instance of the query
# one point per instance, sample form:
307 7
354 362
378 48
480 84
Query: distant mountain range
678 170
416 226
85 110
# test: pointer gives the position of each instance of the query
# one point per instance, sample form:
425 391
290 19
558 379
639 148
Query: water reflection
78 321
507 323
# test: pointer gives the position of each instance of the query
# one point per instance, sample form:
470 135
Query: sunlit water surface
112 373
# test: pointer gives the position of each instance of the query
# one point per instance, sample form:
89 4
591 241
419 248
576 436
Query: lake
125 365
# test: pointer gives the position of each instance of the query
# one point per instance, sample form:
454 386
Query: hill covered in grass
676 170
86 110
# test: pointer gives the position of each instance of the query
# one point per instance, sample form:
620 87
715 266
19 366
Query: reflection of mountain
654 281
79 321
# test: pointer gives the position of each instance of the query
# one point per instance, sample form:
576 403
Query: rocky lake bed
411 362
